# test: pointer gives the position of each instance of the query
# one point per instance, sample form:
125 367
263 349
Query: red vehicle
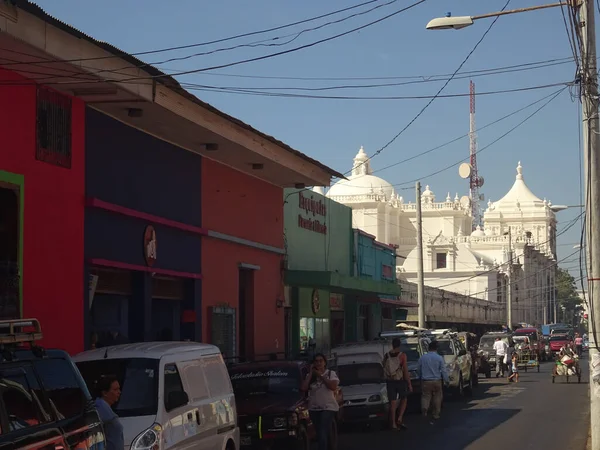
536 341
558 341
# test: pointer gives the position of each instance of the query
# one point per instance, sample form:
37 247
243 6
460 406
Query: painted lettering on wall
312 208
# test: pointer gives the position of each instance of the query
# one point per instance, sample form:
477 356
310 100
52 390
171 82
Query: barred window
53 127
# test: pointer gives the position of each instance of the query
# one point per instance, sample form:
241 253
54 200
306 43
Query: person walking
108 392
321 385
579 344
501 349
395 369
432 372
514 369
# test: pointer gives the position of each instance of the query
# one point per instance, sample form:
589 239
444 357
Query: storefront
142 236
328 304
41 208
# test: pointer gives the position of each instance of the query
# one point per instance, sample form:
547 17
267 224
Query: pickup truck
558 341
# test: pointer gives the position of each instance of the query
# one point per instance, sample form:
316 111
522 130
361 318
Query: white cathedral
456 259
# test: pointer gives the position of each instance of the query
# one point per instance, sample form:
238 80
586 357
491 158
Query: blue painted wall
129 168
371 257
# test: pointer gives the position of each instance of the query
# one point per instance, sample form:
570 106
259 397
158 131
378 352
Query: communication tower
469 170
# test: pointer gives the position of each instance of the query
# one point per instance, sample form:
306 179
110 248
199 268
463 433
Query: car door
462 359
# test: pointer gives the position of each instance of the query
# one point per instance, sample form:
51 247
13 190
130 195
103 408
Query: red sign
150 245
312 208
335 302
585 316
387 272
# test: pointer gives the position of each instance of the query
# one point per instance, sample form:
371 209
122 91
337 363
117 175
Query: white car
174 395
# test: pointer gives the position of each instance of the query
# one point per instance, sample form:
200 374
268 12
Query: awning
344 284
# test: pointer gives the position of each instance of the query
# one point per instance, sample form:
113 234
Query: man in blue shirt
432 372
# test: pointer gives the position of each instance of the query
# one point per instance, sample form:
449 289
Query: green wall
312 250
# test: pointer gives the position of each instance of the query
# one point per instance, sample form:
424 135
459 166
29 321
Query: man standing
432 372
501 348
398 383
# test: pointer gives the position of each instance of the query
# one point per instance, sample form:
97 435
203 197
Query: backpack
392 367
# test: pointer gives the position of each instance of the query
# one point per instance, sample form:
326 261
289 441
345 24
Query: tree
566 292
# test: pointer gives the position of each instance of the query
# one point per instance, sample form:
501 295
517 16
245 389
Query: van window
59 378
195 381
172 381
138 378
20 401
217 376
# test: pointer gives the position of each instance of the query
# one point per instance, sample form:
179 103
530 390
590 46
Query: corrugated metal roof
162 78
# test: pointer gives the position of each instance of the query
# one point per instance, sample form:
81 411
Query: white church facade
456 259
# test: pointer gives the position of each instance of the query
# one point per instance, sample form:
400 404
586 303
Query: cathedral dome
362 181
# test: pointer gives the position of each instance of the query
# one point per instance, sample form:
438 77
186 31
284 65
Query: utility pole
420 275
509 290
591 147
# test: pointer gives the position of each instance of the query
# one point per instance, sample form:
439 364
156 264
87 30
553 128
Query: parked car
458 361
557 341
174 395
272 410
487 352
536 341
360 369
45 402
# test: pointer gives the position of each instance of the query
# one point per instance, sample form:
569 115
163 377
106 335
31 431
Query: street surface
531 414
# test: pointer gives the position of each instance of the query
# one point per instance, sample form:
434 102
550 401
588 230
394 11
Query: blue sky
333 130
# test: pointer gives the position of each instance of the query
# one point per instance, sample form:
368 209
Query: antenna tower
475 181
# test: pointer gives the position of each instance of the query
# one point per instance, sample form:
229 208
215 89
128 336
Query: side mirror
176 399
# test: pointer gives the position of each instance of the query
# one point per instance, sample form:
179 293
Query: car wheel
333 436
302 442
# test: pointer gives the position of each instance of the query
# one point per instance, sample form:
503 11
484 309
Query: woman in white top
321 385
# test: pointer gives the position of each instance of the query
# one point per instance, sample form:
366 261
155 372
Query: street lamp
458 22
588 83
558 208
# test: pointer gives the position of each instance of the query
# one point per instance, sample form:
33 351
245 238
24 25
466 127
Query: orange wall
244 207
52 267
240 205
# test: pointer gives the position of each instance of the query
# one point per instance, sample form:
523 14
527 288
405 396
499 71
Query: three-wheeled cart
527 359
563 370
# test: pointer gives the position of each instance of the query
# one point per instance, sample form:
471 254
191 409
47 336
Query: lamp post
591 139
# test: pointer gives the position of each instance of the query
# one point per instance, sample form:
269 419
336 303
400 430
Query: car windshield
360 373
530 334
560 331
559 337
138 378
445 348
411 351
487 342
272 380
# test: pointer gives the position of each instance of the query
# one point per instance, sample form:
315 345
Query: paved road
533 414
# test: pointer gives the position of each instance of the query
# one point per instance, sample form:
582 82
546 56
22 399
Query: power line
553 97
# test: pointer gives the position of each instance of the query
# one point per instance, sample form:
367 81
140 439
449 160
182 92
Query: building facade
121 200
474 264
42 208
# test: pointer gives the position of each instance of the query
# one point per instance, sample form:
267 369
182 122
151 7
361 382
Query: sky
332 130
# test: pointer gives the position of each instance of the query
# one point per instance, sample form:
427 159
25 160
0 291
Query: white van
174 395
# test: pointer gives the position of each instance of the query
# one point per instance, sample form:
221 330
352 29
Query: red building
124 158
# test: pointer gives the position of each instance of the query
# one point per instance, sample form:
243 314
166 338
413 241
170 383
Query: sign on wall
315 301
314 210
150 245
387 272
336 302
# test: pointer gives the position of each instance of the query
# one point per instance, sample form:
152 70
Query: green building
324 286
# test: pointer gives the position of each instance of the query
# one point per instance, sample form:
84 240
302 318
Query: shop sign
312 208
315 301
150 245
336 302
